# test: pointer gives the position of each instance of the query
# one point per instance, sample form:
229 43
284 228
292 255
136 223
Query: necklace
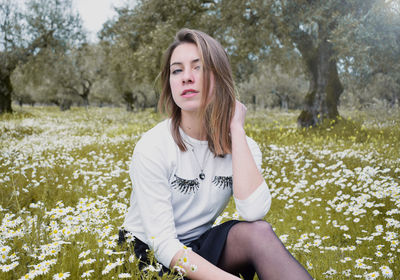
202 176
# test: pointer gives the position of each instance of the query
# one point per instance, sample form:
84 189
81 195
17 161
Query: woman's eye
176 71
197 67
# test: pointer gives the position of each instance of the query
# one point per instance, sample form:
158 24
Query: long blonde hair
216 114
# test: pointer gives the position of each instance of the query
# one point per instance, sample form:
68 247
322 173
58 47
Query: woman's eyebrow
180 63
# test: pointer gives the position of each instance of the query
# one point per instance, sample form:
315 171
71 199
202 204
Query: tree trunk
129 99
322 99
254 101
5 94
129 107
285 102
85 97
144 103
85 92
65 104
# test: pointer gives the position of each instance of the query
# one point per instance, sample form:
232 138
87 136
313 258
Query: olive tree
32 31
322 32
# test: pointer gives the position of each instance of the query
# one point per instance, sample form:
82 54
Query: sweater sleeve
150 182
256 206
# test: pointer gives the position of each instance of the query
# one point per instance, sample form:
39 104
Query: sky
95 12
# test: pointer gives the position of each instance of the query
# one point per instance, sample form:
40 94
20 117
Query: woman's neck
192 125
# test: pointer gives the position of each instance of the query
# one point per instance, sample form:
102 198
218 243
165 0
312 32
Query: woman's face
186 77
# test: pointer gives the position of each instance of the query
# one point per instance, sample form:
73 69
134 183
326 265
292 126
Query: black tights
253 247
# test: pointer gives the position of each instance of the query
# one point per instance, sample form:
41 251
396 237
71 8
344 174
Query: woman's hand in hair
237 122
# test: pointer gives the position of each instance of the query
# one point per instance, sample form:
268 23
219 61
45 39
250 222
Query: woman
185 169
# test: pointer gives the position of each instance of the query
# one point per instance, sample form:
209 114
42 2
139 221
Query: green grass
64 189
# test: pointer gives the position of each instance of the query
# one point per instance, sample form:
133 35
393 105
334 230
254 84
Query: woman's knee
261 231
251 232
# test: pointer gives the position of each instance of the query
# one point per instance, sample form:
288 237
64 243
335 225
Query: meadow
64 190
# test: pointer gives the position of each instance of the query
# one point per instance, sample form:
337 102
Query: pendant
202 176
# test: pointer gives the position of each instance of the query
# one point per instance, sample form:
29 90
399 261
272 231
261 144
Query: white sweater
170 205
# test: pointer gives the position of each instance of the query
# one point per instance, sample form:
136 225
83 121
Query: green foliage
35 35
55 18
370 75
44 41
255 33
271 87
136 40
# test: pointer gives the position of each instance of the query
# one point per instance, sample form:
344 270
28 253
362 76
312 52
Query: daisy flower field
65 188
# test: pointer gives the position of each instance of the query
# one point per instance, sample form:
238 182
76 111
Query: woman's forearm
246 177
196 267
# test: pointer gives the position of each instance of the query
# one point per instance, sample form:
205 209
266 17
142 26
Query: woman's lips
189 93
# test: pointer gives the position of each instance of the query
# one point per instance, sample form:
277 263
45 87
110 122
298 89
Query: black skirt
209 245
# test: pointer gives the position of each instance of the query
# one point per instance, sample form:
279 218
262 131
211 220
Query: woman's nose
188 77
